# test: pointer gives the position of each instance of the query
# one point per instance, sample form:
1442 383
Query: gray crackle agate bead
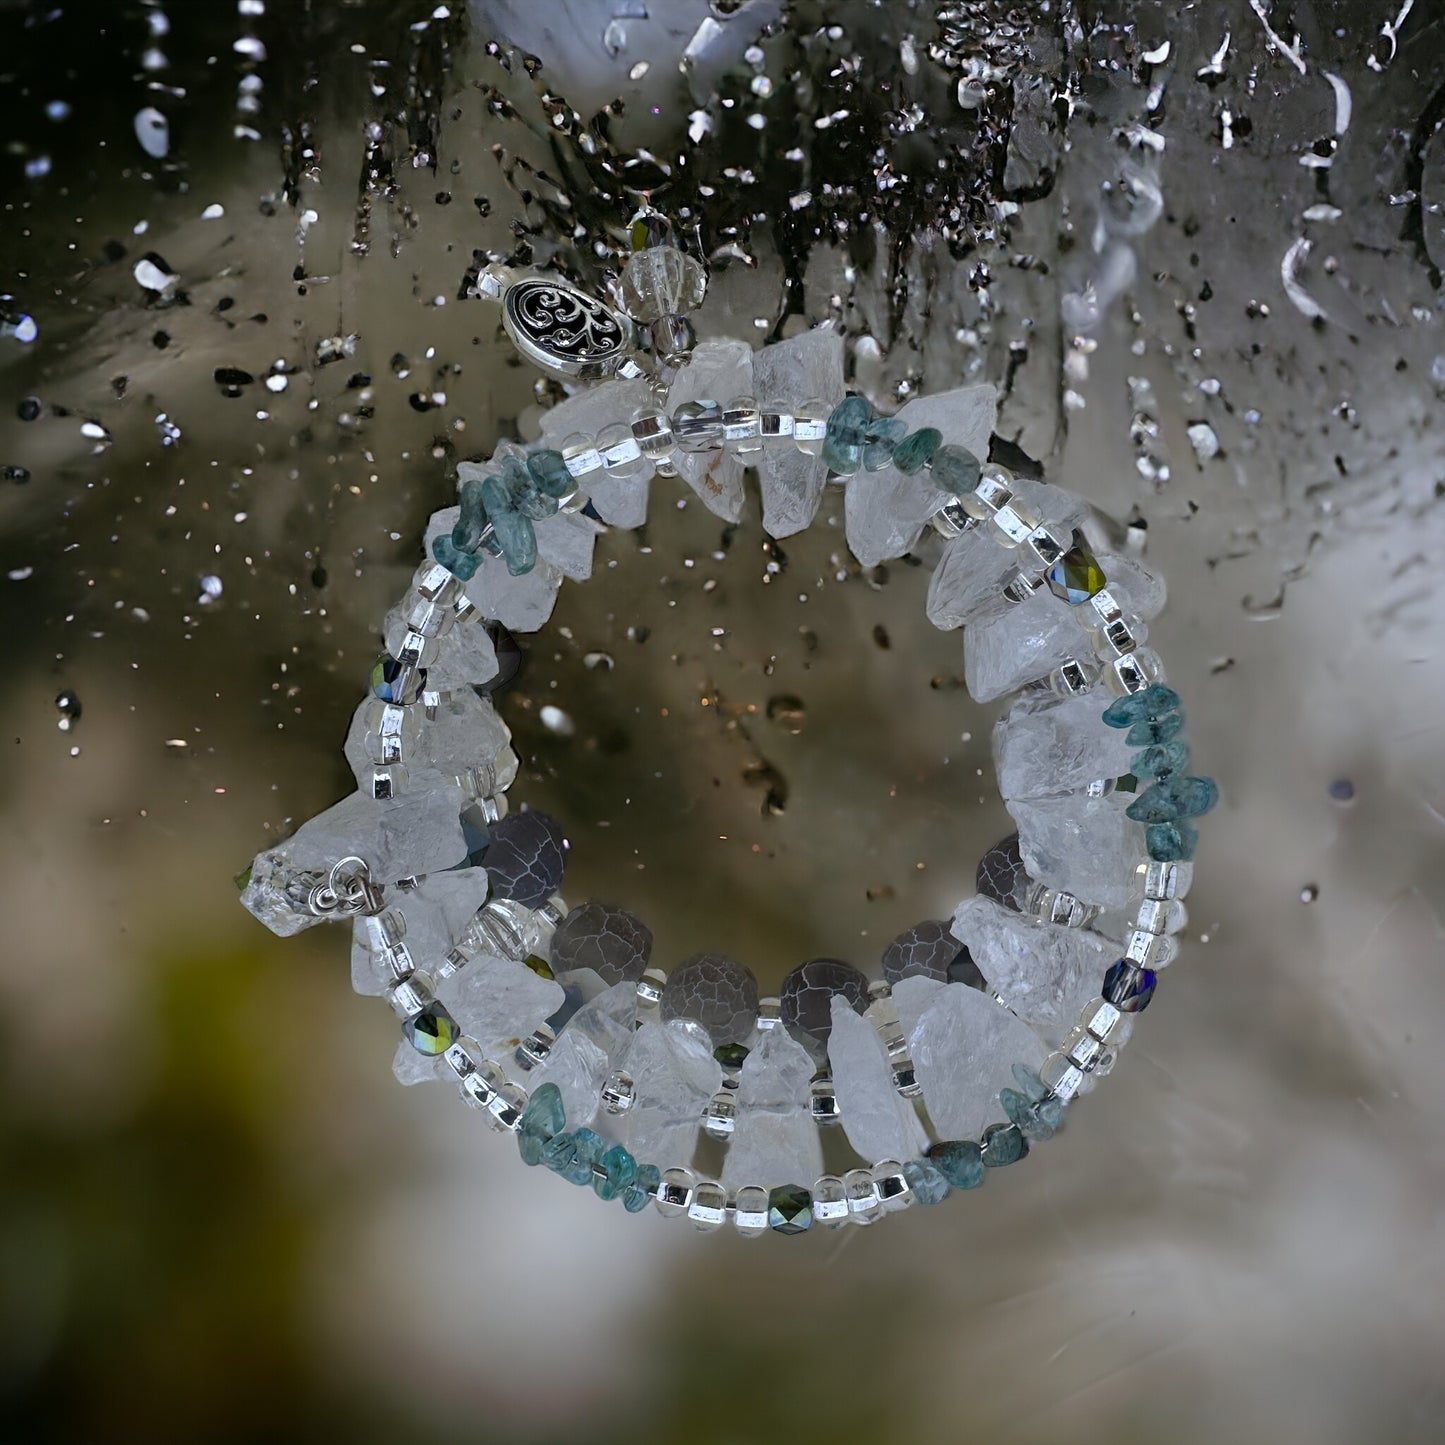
1001 873
807 995
612 942
929 950
526 857
716 991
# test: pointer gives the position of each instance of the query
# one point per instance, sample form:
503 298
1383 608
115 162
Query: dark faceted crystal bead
807 995
716 991
549 471
542 1120
1171 842
916 450
955 469
462 565
1163 761
845 434
397 682
1003 1144
432 1032
1155 701
1001 873
960 1161
1174 798
526 857
731 1056
1149 731
615 944
1076 576
1129 988
790 1209
926 950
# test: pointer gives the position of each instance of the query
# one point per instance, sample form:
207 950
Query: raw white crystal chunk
465 657
775 1140
522 603
879 1122
499 1002
415 834
1136 587
565 540
620 502
674 1074
436 913
911 996
887 510
1084 846
809 367
412 1067
595 1037
973 568
1043 973
1045 746
718 371
1010 644
964 1047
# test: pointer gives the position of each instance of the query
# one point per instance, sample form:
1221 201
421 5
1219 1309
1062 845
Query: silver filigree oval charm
564 331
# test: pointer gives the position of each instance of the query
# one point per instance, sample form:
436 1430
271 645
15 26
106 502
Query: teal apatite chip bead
1034 1119
1003 1144
955 469
1149 732
496 496
1173 798
790 1209
559 1152
638 1194
1030 1085
471 517
916 450
462 565
542 1120
517 540
881 438
1171 842
587 1150
960 1161
550 473
525 495
1154 702
620 1170
926 1181
845 434
1163 761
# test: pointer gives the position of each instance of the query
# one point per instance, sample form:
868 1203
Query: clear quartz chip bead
708 1208
742 424
861 1192
750 1211
830 1201
675 1191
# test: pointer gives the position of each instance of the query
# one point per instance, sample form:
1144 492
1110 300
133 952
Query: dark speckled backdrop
220 1218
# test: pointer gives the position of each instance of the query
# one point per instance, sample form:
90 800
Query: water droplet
1342 790
67 703
788 711
153 131
1309 893
557 721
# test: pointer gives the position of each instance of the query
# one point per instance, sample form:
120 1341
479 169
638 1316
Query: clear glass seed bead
506 1106
391 732
1105 1022
650 987
1122 635
994 490
951 519
410 997
1151 950
1159 915
776 426
830 1201
719 1119
581 456
407 645
1013 524
708 1208
1061 1076
653 430
431 618
861 1192
435 583
1134 672
823 1100
1074 677
618 1092
619 449
742 424
894 1191
674 1191
750 1211
1166 880
698 426
810 426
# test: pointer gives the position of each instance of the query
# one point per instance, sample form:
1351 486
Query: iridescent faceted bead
517 540
716 991
960 1161
661 281
526 857
881 438
1034 1119
615 944
1171 842
648 228
432 1032
471 517
1001 873
846 431
916 450
698 426
462 565
620 1171
1076 576
550 473
790 1209
807 995
1154 702
542 1120
1163 761
731 1056
810 426
396 682
1148 732
638 1195
926 1180
955 469
1129 988
1002 1144
1174 798
927 950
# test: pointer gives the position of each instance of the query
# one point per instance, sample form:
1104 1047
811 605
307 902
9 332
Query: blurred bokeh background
1198 248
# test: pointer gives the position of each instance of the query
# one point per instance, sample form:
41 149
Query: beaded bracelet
553 1021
